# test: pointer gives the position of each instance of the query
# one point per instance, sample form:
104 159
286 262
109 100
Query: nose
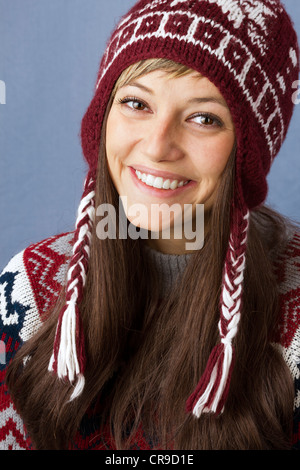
162 140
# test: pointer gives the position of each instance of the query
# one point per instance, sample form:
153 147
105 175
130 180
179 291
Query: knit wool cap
248 49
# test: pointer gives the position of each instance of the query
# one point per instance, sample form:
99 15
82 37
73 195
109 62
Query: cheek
213 157
113 151
111 137
120 134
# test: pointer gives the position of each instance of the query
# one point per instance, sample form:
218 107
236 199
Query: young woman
124 335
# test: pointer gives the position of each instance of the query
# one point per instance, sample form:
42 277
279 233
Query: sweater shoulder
30 285
288 332
288 276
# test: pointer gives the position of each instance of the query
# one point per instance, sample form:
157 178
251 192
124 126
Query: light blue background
49 57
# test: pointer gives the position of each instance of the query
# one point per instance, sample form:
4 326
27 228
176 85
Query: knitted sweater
30 284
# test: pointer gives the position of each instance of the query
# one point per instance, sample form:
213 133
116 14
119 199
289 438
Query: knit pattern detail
288 335
161 20
25 292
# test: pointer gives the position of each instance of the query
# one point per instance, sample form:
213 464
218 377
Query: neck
169 266
169 243
170 247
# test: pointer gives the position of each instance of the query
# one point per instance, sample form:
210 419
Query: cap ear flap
91 132
68 357
251 179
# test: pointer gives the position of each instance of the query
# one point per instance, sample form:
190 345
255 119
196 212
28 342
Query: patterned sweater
30 284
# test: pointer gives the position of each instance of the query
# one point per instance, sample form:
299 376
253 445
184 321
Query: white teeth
158 182
150 180
174 184
166 184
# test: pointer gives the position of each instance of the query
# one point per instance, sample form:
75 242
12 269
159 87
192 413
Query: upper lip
162 174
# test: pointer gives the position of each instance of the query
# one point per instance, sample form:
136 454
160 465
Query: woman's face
167 141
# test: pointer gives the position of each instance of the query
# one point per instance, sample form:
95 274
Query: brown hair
146 354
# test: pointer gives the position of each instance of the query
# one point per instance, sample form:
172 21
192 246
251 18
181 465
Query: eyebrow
139 85
208 99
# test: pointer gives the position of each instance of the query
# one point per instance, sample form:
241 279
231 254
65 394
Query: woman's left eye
206 120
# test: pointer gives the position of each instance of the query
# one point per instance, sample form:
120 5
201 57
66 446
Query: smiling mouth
158 182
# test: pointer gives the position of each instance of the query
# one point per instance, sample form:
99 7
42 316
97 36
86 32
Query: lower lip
156 192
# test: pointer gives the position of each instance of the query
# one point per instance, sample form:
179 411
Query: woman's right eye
133 103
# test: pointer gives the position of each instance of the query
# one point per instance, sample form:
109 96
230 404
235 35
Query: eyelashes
208 120
203 119
141 105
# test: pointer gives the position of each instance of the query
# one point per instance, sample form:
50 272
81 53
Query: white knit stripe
163 34
232 326
10 413
199 408
225 309
293 56
87 249
281 82
175 2
51 362
291 355
67 363
231 293
227 300
10 442
225 371
237 13
78 387
22 294
219 53
155 3
83 232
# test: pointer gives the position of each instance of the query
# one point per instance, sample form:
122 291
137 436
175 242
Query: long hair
145 353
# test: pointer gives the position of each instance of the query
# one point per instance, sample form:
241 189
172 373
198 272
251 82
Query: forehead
191 80
187 86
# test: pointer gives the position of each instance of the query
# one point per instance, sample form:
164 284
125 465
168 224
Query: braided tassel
212 390
68 357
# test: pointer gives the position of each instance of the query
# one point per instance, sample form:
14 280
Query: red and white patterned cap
248 49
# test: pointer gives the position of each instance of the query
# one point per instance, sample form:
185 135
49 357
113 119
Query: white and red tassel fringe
68 357
212 390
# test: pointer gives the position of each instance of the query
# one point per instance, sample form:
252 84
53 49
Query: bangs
144 67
